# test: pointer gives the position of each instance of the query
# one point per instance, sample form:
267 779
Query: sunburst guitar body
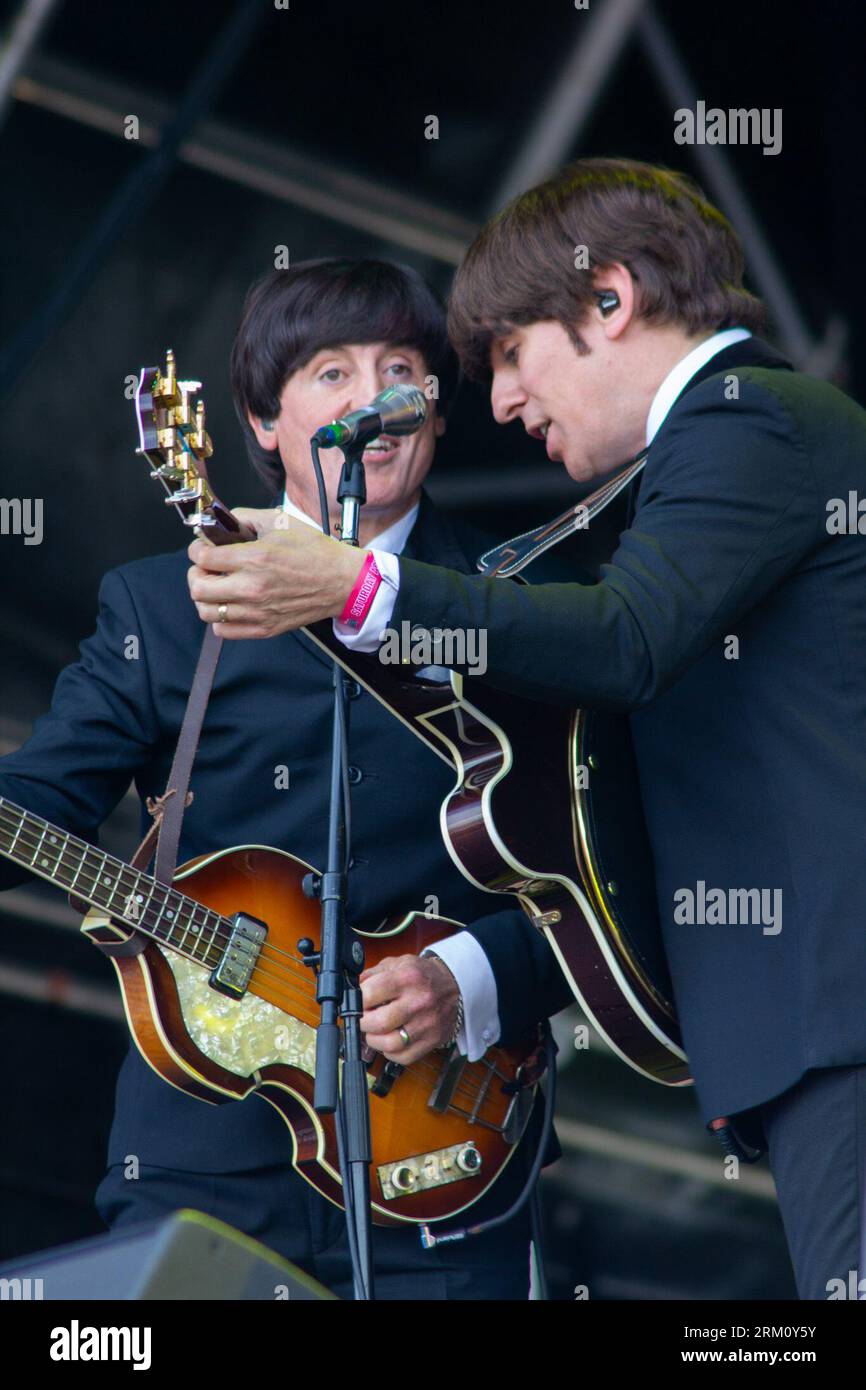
221 1004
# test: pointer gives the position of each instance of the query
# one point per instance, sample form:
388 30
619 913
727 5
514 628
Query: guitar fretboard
136 899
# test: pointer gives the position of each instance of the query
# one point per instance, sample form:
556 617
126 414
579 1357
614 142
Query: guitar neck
136 899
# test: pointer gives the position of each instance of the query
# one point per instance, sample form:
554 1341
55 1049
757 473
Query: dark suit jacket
114 719
753 769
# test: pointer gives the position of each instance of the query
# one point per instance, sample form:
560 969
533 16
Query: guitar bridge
240 957
450 1073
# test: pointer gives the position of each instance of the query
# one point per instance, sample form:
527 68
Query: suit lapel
749 352
434 539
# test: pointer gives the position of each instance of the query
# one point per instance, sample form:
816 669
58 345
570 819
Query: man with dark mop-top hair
315 342
606 309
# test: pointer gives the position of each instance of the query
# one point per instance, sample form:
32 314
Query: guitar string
285 986
218 935
302 990
284 980
210 499
31 825
268 949
223 936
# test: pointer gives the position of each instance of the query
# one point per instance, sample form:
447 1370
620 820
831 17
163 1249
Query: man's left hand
290 576
416 993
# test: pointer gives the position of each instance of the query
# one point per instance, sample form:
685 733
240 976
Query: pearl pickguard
442 1129
242 1035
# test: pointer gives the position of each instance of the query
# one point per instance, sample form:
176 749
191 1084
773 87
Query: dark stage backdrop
635 1208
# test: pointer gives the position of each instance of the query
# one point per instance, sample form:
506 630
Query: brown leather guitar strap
167 810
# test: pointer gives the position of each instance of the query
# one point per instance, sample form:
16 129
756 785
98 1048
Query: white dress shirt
680 375
463 955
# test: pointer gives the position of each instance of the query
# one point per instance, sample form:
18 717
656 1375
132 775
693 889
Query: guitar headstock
173 439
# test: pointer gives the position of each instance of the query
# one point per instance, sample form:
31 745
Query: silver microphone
396 410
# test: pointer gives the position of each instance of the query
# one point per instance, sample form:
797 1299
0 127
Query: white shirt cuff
468 963
368 637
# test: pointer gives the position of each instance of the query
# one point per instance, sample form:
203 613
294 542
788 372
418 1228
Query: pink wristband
360 600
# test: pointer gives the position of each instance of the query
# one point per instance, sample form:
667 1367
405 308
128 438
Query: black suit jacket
752 767
113 719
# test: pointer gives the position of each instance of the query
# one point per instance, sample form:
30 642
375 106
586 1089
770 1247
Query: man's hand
290 576
417 993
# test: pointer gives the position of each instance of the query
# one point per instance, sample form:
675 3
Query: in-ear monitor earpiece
608 300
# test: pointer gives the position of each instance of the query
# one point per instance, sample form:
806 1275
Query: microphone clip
352 490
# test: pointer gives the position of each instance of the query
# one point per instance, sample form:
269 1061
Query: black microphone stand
340 959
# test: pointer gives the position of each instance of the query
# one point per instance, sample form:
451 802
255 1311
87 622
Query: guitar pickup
240 957
452 1069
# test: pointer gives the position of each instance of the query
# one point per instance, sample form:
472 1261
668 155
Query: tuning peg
165 386
198 439
184 494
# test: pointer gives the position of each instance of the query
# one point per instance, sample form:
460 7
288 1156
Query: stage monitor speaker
188 1255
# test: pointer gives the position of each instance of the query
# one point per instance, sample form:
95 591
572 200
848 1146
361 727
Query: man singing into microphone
317 341
607 311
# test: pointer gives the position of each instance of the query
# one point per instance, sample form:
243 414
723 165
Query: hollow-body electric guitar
546 802
221 1004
